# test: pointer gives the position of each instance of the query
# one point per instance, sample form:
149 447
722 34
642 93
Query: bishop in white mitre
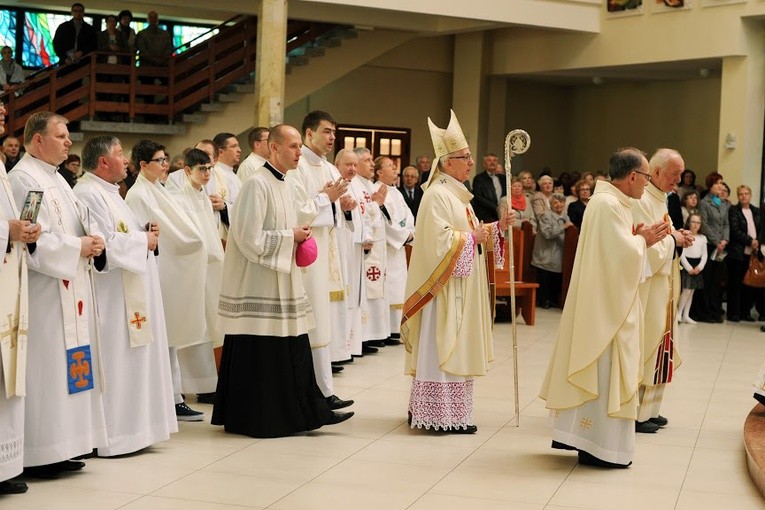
138 401
64 406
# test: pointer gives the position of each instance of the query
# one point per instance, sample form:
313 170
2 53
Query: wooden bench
525 292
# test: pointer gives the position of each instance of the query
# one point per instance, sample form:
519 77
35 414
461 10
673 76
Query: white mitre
445 141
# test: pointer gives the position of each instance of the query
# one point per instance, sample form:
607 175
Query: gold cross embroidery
10 331
585 423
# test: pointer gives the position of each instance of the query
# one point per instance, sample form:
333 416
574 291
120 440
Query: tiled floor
375 461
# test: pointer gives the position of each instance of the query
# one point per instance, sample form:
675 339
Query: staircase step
210 107
132 127
297 61
229 98
245 88
314 52
194 118
330 42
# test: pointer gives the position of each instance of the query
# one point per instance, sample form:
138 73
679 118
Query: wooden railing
93 89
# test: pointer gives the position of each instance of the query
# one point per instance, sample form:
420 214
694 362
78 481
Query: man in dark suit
423 167
488 188
411 189
74 38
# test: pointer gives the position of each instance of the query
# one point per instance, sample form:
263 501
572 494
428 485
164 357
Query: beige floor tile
157 503
292 467
637 495
394 452
379 475
338 496
502 486
719 471
444 502
693 500
120 476
49 495
545 464
229 489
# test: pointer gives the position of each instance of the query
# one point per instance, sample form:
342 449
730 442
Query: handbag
755 275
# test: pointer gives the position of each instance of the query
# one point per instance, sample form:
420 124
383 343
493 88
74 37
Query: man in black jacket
75 38
488 188
411 189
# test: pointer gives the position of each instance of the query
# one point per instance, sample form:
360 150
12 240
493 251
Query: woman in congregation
745 222
576 209
715 226
547 255
519 202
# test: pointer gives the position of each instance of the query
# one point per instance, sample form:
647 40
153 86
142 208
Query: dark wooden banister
92 87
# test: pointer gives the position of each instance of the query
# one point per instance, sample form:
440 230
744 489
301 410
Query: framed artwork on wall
619 8
658 6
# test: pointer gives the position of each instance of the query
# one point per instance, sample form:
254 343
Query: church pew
525 292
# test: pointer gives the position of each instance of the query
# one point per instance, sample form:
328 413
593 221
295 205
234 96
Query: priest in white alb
18 239
138 401
257 138
64 407
446 325
591 385
267 386
181 258
399 231
320 201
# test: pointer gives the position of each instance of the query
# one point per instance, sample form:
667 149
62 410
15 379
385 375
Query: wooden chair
525 292
529 272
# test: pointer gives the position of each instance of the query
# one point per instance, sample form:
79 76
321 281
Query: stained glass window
8 28
183 34
39 29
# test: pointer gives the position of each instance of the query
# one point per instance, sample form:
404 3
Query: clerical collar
108 186
311 156
224 166
276 173
51 169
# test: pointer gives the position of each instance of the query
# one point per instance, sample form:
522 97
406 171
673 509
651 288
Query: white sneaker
688 320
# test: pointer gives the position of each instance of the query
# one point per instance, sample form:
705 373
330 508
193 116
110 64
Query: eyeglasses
203 168
161 161
466 157
643 173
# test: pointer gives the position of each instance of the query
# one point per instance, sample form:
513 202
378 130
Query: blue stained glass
8 28
39 29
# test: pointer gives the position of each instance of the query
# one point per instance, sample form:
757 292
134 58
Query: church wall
578 127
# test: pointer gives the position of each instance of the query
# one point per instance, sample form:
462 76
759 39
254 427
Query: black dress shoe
368 349
646 427
51 471
392 341
337 403
13 487
86 455
337 369
206 398
409 415
339 418
561 446
660 421
354 356
762 328
376 343
733 318
747 318
470 429
759 398
344 361
588 460
69 465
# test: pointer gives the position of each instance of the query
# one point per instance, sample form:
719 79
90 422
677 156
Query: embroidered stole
136 307
374 262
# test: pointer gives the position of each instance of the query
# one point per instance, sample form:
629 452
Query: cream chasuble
59 424
607 272
659 356
130 310
463 325
261 252
180 248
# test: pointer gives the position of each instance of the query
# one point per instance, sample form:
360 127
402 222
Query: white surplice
11 274
376 316
357 294
249 165
324 279
224 183
198 369
138 401
398 227
58 425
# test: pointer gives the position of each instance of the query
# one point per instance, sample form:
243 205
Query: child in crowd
693 260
